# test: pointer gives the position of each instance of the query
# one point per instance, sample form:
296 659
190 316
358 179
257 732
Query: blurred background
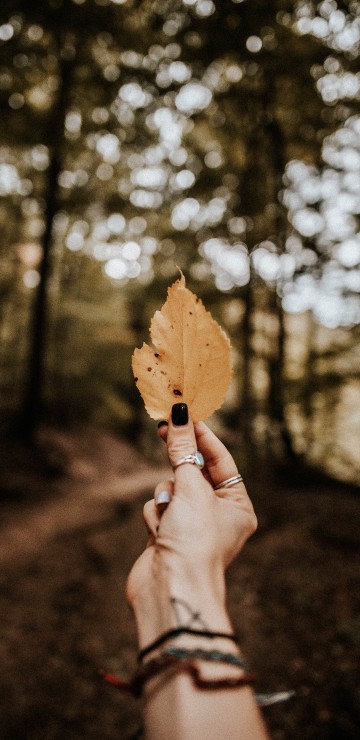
138 137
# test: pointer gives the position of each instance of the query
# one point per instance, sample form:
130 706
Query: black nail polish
179 414
162 424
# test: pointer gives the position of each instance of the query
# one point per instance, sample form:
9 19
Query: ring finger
219 462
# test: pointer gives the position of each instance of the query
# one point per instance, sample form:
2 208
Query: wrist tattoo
185 616
188 622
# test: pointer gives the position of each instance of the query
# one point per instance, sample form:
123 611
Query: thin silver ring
229 482
196 459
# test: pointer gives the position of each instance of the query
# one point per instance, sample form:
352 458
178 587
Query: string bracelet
209 655
184 654
177 665
183 631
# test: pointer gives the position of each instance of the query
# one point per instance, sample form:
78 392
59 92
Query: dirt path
72 508
100 473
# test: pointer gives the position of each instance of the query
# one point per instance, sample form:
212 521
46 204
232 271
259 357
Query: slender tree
35 376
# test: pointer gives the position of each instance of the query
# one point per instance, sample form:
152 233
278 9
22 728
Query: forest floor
67 542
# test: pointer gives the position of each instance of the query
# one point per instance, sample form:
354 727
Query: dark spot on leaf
162 372
156 354
190 312
136 380
176 392
149 369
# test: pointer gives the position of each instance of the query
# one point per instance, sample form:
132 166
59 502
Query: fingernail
162 424
179 414
163 498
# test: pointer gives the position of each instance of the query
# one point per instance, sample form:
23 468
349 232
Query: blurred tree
34 378
138 136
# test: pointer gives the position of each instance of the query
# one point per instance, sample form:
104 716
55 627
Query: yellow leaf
191 362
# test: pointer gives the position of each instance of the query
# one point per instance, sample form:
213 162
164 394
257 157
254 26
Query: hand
200 524
201 530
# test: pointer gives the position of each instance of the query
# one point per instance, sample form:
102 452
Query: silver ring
196 459
229 482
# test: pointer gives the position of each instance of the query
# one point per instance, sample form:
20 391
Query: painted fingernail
179 414
163 498
162 424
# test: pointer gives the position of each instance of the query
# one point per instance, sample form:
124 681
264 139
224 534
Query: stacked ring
229 482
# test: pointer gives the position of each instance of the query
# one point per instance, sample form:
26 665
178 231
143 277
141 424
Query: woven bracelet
183 631
209 655
158 665
263 700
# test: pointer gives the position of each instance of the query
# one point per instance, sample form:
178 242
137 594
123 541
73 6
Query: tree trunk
32 404
277 363
246 395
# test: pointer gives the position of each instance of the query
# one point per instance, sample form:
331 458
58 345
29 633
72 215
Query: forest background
137 137
222 138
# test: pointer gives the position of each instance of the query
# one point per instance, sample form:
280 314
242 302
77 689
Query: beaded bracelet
183 631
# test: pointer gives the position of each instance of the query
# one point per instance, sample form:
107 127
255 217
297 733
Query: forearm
175 708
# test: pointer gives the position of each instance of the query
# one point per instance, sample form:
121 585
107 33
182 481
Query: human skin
179 580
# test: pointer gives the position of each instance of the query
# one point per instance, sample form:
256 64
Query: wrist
177 594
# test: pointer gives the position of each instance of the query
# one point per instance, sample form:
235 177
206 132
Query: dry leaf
191 361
